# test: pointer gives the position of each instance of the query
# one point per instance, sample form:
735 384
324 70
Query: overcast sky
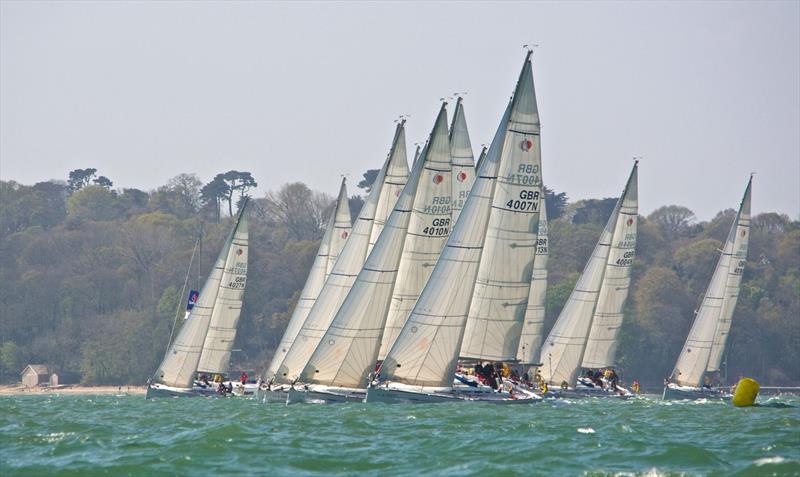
306 91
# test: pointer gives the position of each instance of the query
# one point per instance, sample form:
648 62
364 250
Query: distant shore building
40 375
35 375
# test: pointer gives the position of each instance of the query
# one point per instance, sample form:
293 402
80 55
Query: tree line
90 276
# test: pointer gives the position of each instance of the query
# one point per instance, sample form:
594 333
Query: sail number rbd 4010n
528 201
440 228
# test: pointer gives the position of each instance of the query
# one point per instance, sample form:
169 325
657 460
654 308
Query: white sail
180 363
216 354
426 351
531 338
563 350
428 231
342 226
481 157
336 233
601 345
718 304
463 160
396 177
415 231
500 298
735 270
350 261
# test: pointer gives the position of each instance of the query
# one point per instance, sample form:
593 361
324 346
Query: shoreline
19 390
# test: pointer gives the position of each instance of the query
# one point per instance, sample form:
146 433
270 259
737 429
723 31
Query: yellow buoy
746 392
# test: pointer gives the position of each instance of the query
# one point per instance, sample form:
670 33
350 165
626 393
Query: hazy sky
705 92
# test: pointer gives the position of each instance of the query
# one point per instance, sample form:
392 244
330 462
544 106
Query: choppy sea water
126 435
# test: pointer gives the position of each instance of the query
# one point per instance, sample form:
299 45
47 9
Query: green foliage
80 178
368 180
93 203
97 289
10 361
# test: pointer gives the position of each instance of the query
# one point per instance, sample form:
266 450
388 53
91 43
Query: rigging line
183 292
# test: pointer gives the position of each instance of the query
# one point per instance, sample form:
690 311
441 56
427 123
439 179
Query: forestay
711 325
426 351
350 261
563 350
531 338
337 231
414 231
180 363
601 346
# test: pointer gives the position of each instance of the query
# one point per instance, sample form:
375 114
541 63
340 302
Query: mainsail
415 231
463 160
391 178
601 346
709 332
181 361
336 233
216 354
500 298
563 350
531 339
428 231
426 351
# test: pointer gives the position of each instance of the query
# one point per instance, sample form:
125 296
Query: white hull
325 395
674 392
272 394
396 395
156 390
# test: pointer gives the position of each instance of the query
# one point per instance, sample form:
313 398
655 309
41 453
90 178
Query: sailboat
373 215
409 244
702 353
595 305
493 241
337 231
205 341
425 245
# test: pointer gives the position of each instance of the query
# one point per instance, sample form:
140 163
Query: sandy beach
17 390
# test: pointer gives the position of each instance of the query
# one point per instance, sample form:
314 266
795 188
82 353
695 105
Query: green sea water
126 435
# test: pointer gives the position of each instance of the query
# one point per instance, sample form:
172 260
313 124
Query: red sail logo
437 179
526 145
462 176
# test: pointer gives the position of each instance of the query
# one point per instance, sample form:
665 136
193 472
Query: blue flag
193 296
